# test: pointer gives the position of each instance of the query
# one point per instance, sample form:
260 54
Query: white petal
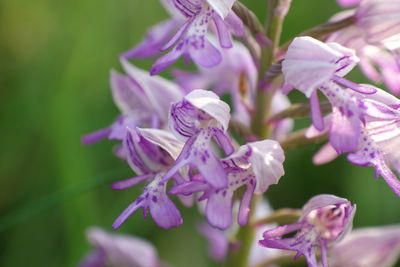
210 103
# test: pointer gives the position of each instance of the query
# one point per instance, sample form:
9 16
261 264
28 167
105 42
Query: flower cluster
215 136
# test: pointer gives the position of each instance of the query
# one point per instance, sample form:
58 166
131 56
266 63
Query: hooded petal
310 63
198 109
144 156
222 7
266 158
320 201
160 92
164 140
325 219
127 94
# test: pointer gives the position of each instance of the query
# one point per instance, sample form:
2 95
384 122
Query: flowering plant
188 145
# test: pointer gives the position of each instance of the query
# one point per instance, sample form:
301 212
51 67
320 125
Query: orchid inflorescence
185 143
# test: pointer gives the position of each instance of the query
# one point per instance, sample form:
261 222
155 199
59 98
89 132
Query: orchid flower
255 166
191 38
324 221
118 250
150 152
142 100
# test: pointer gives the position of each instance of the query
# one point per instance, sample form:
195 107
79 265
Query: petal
222 7
197 153
224 141
158 91
120 125
211 168
315 110
127 94
177 36
377 110
235 24
219 209
326 154
362 89
164 61
96 136
211 104
379 19
164 212
127 212
131 182
245 204
310 63
206 56
145 155
382 169
303 246
344 132
320 201
369 247
95 258
133 155
267 163
153 41
189 188
164 140
223 33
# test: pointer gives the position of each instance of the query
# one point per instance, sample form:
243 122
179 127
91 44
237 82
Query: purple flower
198 119
118 250
143 101
150 153
154 40
378 61
324 221
368 247
310 64
191 39
379 19
255 166
374 136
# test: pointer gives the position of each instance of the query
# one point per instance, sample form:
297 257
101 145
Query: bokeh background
55 63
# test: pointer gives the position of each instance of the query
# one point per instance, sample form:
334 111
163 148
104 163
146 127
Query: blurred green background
55 62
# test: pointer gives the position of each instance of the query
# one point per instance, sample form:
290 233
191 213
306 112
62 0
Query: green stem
277 12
